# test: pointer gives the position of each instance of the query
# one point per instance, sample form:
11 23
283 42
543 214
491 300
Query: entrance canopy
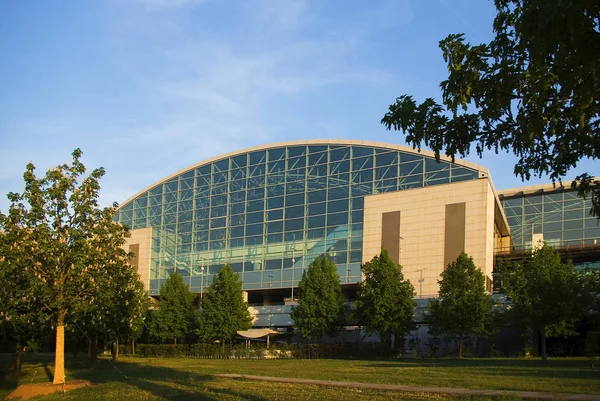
256 333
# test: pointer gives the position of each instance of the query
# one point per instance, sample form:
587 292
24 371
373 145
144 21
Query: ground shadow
183 385
534 368
163 382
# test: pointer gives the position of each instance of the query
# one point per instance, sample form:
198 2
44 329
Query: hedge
259 351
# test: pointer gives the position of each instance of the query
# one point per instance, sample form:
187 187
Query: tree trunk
132 347
17 367
94 349
175 341
460 344
59 355
115 354
543 341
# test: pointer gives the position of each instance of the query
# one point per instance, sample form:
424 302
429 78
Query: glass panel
275 214
316 221
256 205
239 161
294 199
294 224
294 212
362 163
254 229
296 151
358 151
317 158
171 185
386 159
337 219
339 154
275 227
256 217
221 165
317 196
275 203
411 168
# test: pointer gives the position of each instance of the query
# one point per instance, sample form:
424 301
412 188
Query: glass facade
269 213
561 215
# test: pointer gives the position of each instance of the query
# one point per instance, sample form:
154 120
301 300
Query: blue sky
147 87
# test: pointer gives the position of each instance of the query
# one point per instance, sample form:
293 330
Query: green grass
184 378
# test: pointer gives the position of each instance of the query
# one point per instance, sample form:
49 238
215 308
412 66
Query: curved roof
308 142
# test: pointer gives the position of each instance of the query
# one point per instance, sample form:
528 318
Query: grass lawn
184 378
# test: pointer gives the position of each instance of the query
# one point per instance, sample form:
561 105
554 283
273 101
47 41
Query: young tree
385 303
224 310
463 307
544 292
176 313
531 91
21 316
320 309
70 244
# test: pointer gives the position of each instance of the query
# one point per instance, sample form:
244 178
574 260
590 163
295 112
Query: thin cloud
161 4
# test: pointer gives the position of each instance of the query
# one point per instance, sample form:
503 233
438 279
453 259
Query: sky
148 87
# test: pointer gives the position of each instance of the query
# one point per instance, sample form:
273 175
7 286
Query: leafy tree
176 313
127 309
385 303
70 244
117 313
224 310
320 307
545 293
21 318
463 307
531 91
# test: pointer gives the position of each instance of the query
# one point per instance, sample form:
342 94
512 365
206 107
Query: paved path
538 395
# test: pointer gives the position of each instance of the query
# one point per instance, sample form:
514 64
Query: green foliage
463 307
21 310
320 309
592 347
67 245
176 314
385 303
531 91
224 310
590 281
545 293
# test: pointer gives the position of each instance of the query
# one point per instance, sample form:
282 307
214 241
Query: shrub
592 347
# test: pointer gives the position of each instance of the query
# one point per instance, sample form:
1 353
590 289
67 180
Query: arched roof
309 142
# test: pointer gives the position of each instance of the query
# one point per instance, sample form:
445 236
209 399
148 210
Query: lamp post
421 280
293 249
400 254
201 281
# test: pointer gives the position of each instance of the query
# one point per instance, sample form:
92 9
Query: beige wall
422 221
142 237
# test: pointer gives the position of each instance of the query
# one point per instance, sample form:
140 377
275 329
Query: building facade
269 211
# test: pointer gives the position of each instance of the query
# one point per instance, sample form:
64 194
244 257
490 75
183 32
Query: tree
385 303
320 309
531 91
463 307
176 313
224 310
69 243
21 318
544 292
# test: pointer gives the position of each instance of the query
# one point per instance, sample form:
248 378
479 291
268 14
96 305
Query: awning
256 333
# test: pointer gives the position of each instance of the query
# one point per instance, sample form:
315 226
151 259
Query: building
269 211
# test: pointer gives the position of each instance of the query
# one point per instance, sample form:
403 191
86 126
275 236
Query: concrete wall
423 234
143 238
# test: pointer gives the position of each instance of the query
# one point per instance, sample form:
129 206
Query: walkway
537 395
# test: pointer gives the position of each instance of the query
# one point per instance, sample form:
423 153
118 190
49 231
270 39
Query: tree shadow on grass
164 382
534 368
